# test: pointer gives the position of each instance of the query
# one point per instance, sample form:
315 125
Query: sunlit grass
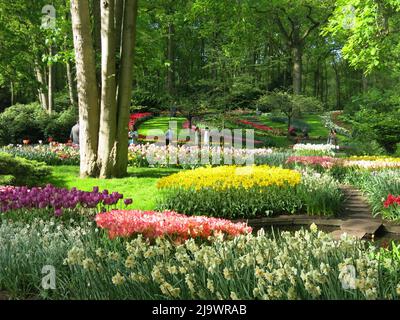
140 185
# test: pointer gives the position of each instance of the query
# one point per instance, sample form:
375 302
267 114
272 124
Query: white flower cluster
328 123
192 156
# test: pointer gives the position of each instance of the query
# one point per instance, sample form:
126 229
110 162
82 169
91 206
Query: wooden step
369 226
337 234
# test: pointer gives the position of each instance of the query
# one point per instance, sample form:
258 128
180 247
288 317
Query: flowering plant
55 200
136 117
187 156
324 162
310 149
178 227
228 177
52 154
391 208
255 125
373 162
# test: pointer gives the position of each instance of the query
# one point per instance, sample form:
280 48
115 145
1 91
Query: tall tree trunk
125 85
12 92
73 98
364 81
41 79
171 59
108 111
297 56
87 89
51 85
337 84
119 15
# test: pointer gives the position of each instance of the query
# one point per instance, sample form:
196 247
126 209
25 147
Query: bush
31 122
24 172
59 125
21 122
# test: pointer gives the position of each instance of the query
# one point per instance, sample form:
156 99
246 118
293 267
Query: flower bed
136 118
176 227
52 154
314 149
255 125
54 201
300 265
324 162
373 162
245 192
191 156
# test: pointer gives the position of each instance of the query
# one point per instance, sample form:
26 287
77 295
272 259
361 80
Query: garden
196 165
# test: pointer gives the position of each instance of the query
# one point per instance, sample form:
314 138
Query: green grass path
149 127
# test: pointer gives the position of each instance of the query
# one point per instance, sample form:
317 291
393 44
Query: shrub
59 125
32 122
22 122
25 172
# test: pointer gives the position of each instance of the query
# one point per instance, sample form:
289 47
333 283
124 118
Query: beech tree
104 121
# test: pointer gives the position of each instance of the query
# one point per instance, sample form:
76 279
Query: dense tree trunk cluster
104 120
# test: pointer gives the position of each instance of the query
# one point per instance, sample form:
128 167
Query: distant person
305 134
168 136
332 138
133 135
206 137
74 136
197 135
292 132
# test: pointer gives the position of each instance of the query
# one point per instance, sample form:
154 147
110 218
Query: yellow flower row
231 177
374 158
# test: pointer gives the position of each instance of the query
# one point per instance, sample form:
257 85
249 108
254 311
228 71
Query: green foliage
377 186
31 122
382 127
21 122
59 125
24 172
290 105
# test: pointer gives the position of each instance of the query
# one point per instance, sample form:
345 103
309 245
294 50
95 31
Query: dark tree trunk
297 56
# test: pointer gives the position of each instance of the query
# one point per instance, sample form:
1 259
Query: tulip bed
172 225
24 203
245 192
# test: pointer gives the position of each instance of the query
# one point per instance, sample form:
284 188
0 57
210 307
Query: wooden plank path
357 216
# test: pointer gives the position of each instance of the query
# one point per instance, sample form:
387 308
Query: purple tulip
128 202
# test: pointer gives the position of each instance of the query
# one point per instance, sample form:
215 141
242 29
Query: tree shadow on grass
155 173
57 181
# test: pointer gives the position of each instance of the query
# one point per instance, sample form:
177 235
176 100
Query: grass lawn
140 185
150 127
